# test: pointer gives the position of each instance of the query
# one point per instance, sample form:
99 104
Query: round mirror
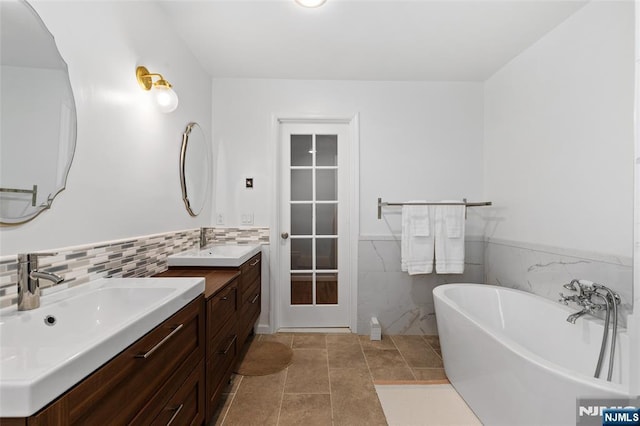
194 169
37 115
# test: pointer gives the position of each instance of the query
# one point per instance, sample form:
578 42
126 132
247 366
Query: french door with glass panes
314 247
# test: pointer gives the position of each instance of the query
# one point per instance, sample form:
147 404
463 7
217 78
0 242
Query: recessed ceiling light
311 3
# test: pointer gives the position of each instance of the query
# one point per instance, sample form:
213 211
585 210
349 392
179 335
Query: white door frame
353 122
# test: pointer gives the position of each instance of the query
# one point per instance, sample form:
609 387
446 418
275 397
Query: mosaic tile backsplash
134 257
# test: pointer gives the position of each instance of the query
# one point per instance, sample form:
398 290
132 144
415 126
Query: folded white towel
416 247
449 238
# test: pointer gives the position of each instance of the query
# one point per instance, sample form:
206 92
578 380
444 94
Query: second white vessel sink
45 351
231 255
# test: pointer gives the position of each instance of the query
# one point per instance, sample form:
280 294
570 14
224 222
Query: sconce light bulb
166 98
310 3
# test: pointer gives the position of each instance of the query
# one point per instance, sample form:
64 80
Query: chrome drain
50 320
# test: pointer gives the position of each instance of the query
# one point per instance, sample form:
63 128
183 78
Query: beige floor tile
425 405
429 373
223 408
285 339
257 400
343 340
309 341
309 372
385 344
350 356
433 341
307 410
417 352
354 398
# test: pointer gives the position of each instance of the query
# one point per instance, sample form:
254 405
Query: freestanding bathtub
515 359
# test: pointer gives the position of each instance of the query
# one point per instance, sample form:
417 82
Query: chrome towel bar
464 202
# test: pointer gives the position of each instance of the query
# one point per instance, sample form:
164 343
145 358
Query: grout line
329 377
284 384
404 359
432 348
233 397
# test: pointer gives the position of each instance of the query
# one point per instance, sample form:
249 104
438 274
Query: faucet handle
563 299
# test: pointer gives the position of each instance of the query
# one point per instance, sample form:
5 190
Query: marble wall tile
404 303
543 270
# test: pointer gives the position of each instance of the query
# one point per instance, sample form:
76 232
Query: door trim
353 121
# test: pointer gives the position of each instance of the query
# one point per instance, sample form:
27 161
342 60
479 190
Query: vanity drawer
120 389
250 314
219 365
250 273
187 405
222 307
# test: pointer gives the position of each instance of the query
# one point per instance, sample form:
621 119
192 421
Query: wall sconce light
164 95
310 3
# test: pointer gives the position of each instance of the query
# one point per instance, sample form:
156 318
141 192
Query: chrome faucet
29 280
587 291
573 317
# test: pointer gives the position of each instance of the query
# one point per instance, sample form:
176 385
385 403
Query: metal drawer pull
177 411
160 343
255 298
224 298
255 262
229 347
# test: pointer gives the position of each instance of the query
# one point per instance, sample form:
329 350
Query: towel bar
464 202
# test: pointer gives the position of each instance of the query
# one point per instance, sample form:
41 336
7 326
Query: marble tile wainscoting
404 303
543 270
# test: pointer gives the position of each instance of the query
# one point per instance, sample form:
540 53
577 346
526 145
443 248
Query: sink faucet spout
29 280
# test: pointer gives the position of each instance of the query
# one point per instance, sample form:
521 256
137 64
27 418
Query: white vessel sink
45 351
217 255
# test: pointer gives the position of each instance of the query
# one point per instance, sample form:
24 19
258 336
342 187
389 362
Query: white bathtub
516 360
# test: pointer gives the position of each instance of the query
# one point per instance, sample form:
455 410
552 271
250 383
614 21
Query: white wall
417 140
124 180
558 136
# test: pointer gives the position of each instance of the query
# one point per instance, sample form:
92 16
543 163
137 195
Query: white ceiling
363 39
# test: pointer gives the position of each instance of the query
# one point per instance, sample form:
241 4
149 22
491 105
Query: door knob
284 235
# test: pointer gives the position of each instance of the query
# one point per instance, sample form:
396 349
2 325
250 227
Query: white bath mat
418 405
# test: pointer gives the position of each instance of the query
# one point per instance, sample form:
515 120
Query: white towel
416 247
449 236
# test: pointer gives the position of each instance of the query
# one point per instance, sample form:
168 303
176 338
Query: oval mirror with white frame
195 173
38 120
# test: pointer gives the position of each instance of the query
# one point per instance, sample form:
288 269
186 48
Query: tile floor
331 380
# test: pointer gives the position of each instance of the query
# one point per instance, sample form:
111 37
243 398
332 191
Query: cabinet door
120 389
187 406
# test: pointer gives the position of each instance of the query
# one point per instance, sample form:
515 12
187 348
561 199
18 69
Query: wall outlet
246 219
219 219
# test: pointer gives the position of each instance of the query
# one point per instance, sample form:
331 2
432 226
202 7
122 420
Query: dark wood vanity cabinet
158 378
250 295
232 308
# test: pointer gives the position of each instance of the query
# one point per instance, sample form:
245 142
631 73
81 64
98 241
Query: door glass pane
327 150
301 150
301 185
301 289
327 289
301 219
326 185
326 219
327 253
301 253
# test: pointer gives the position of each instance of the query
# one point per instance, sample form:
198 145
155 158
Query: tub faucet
29 280
573 317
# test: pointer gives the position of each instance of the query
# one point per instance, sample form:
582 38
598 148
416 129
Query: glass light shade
310 3
166 98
